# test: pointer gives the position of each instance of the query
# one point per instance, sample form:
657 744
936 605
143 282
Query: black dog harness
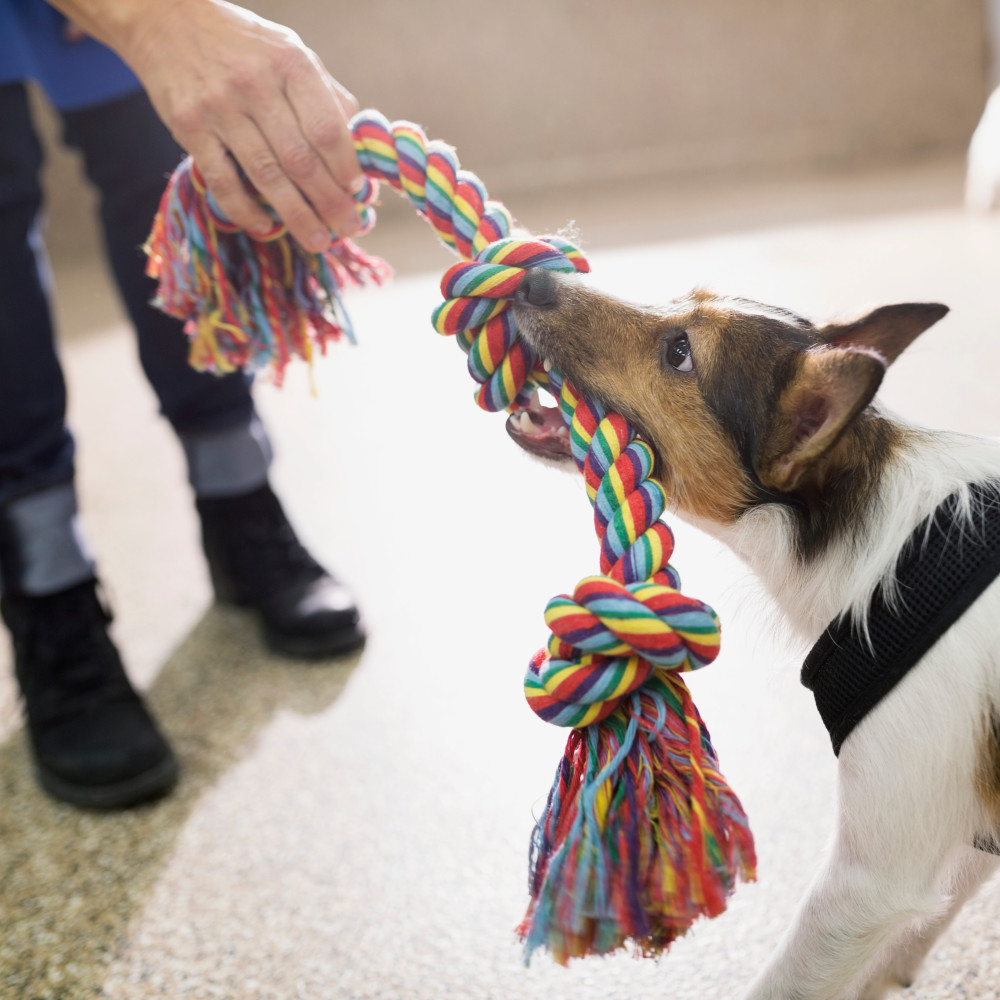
945 565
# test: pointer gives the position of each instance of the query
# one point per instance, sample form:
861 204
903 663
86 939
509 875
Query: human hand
235 88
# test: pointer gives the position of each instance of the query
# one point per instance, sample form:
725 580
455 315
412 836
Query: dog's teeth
547 365
525 424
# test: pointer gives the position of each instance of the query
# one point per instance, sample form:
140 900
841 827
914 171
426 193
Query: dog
767 436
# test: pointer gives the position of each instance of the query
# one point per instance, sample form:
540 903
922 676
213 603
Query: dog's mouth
537 428
540 431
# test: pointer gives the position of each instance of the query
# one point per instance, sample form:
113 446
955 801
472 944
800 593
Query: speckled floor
358 829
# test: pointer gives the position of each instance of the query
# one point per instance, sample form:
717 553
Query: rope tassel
249 302
641 834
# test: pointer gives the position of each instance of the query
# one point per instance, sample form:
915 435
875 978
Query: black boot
93 740
256 560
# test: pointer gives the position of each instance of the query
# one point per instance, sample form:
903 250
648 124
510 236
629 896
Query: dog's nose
537 288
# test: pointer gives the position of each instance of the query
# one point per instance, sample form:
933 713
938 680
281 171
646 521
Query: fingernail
357 184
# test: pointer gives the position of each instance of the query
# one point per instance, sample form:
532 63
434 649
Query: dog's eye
677 352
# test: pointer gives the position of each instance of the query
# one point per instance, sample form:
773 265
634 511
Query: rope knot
607 641
641 834
475 311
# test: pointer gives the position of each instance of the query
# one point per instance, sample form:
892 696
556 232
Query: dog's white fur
917 782
908 810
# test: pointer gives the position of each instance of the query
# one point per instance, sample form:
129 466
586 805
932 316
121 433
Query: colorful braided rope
641 834
248 302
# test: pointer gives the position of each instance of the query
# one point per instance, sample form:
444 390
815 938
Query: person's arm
230 85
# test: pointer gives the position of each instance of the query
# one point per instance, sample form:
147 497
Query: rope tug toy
641 834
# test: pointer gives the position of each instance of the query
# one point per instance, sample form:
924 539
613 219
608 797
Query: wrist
123 24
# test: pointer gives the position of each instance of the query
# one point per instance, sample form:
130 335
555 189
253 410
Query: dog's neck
828 556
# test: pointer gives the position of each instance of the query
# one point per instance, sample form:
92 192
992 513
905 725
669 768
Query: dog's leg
902 817
852 909
898 965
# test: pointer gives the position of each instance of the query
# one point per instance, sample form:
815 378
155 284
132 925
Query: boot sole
315 647
148 785
309 647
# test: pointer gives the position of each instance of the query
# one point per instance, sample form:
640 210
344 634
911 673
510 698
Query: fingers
269 172
347 101
228 190
304 167
238 87
317 156
323 108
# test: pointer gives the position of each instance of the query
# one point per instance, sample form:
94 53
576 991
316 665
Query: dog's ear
887 330
829 389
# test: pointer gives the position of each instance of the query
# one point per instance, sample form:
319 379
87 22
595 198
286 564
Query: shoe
93 740
256 560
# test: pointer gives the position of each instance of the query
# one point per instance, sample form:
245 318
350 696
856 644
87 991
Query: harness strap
945 565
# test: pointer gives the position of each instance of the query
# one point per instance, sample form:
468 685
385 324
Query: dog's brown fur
770 410
989 777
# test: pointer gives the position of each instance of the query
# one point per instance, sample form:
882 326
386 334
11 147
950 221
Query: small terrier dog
766 436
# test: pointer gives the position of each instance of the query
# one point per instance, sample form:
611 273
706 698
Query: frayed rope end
247 302
641 834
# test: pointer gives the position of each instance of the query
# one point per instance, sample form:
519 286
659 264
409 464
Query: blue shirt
75 75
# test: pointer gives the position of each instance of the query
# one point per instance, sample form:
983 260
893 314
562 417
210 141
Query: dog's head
740 401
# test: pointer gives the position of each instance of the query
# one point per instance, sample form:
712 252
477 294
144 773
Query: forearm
118 23
233 86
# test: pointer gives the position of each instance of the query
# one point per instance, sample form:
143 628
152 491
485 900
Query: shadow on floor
71 881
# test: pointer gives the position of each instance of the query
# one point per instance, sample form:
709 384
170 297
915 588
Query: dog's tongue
540 430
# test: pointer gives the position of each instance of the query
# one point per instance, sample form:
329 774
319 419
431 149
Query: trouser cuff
42 550
228 462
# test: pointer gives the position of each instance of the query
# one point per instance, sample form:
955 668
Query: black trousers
128 154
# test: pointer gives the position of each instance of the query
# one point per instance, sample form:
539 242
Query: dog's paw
880 991
898 972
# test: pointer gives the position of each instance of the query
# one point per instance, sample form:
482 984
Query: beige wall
535 92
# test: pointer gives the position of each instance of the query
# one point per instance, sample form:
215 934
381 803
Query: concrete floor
358 829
